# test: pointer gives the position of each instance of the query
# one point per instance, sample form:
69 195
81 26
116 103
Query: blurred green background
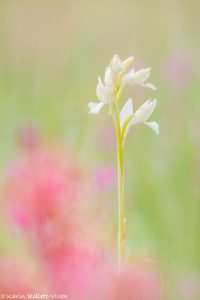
51 53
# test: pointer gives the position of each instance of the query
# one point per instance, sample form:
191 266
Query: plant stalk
121 208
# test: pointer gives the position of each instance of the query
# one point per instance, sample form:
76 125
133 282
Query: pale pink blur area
17 279
28 138
179 69
188 287
105 177
43 193
106 138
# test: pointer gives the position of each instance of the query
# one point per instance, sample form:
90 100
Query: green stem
121 210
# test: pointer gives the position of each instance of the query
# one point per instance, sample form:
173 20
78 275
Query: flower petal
126 112
127 78
95 107
145 110
116 64
109 77
153 125
138 77
132 122
149 85
103 92
127 63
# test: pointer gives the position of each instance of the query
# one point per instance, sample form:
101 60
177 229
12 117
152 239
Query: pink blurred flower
42 196
28 138
79 271
42 193
105 177
134 282
86 274
19 217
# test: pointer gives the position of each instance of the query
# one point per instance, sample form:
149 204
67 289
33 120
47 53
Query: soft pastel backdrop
51 53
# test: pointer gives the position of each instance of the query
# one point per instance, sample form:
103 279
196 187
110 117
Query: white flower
109 78
104 94
117 76
95 107
127 63
116 64
140 77
115 70
112 80
119 66
128 118
126 112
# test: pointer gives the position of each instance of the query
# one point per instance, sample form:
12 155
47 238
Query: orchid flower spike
116 78
107 90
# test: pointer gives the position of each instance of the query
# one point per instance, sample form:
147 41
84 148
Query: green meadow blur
51 53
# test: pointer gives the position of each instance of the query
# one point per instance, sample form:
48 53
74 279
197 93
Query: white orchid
140 77
112 81
128 118
117 76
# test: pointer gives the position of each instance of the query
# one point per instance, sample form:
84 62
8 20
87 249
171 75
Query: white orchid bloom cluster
118 76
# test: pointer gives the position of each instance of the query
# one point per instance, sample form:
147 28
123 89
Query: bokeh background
51 53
